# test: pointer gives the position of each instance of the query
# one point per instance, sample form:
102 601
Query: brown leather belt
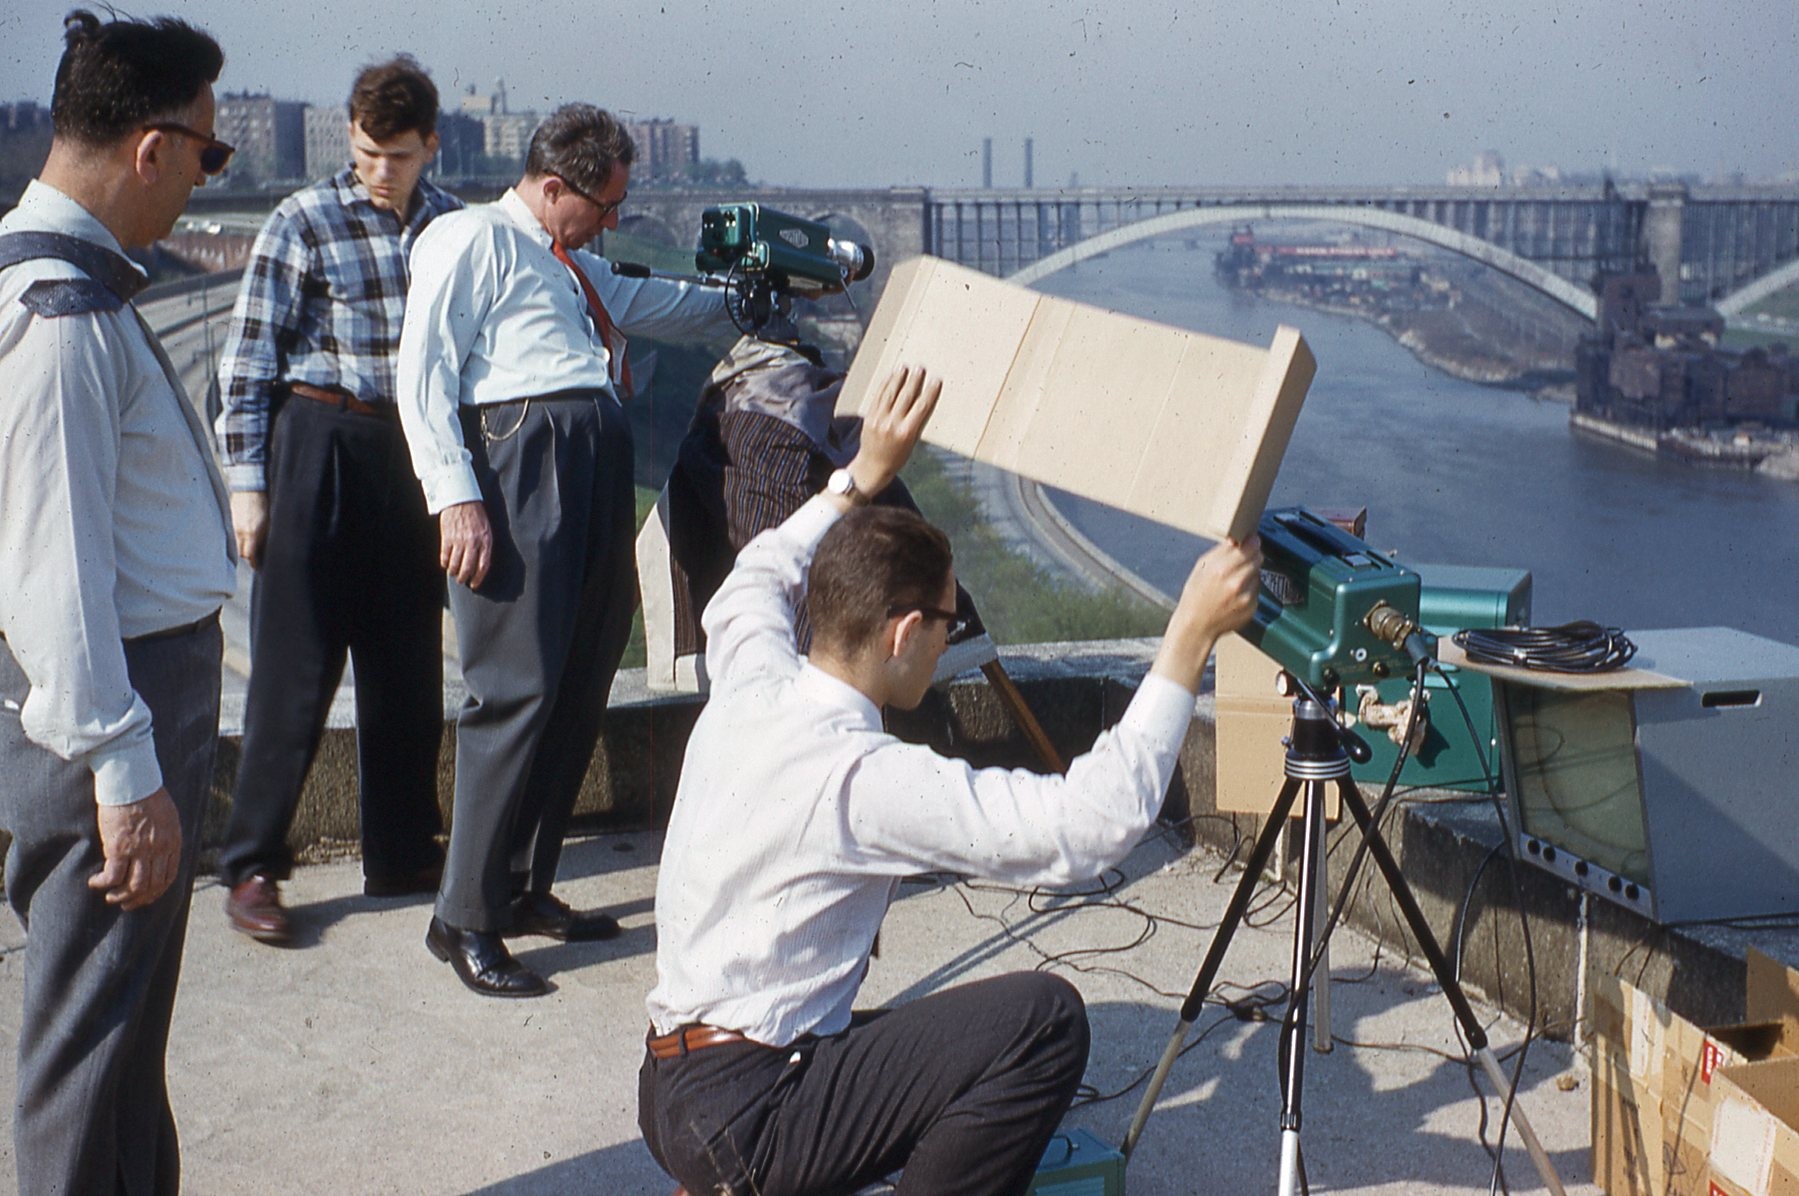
689 1038
343 400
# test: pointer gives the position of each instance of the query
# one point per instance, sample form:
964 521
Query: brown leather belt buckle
689 1039
343 400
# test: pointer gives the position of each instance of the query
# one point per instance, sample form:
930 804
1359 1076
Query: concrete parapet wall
1446 845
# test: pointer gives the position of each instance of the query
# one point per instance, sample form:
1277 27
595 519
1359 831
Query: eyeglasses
605 209
215 155
956 623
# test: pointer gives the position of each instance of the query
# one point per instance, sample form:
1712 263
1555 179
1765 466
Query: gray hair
579 143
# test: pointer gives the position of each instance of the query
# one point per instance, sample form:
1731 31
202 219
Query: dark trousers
350 566
540 641
93 1105
963 1089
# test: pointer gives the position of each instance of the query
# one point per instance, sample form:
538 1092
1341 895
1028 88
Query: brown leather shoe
254 908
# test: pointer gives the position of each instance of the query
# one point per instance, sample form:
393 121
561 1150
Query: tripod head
1318 738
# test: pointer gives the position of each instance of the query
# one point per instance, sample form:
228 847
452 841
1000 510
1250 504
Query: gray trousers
93 1105
540 641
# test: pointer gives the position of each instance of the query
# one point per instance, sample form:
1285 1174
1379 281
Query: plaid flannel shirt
322 301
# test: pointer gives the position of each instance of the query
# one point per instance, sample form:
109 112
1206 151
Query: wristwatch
842 483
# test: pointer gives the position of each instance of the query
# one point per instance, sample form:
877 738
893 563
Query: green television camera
789 254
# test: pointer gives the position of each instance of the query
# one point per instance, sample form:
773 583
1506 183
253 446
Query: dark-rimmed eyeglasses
215 155
956 623
605 209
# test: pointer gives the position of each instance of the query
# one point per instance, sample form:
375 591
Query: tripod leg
1208 970
1321 975
1293 1029
1022 717
1445 975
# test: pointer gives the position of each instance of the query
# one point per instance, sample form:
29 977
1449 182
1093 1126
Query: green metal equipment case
1453 597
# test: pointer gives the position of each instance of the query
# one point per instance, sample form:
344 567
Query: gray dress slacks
93 1106
540 641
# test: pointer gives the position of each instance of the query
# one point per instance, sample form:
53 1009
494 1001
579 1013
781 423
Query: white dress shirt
796 815
113 519
493 316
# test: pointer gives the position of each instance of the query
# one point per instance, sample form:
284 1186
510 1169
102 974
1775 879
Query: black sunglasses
606 209
957 624
215 155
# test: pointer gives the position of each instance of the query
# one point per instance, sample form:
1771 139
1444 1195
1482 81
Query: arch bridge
1724 246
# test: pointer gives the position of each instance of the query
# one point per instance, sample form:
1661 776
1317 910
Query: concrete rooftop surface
353 1062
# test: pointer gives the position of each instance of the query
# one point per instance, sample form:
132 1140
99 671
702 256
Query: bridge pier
1662 235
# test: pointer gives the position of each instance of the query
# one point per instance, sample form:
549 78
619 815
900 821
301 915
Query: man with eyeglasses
797 816
327 510
115 556
511 371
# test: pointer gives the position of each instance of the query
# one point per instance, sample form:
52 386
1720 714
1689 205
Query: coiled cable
1579 647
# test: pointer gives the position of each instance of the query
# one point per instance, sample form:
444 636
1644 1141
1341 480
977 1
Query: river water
1456 473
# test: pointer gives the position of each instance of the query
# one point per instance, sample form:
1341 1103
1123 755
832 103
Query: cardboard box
1658 1083
1252 720
1175 426
1755 1130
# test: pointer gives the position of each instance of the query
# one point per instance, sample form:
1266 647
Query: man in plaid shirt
326 508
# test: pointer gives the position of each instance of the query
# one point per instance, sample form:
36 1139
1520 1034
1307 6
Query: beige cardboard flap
1451 653
1176 426
1772 991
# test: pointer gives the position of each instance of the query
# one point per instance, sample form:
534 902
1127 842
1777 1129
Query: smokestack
1028 183
987 163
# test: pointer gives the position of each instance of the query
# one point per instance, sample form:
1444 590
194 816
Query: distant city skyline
1131 92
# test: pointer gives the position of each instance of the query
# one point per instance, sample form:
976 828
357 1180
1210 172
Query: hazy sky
1126 91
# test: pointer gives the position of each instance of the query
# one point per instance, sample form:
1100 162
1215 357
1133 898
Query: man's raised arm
749 622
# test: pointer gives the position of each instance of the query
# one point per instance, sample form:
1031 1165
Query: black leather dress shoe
482 962
542 913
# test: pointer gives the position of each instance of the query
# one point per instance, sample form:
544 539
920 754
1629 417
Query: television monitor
1669 786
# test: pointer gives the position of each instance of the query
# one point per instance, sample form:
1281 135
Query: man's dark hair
579 143
116 77
394 97
874 559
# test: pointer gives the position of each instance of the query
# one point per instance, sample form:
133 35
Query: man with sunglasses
512 367
115 556
327 510
796 818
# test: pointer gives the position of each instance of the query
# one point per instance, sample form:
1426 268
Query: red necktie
615 344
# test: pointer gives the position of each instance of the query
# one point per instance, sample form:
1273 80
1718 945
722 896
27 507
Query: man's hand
467 542
142 846
250 520
892 426
1219 597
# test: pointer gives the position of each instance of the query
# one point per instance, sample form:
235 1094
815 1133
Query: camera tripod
1318 751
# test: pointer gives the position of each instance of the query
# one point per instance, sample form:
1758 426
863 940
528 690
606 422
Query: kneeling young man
795 820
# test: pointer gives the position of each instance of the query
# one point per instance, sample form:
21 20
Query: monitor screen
1575 781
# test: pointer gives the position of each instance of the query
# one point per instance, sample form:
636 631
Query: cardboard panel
1176 426
1252 721
1755 1133
1772 991
1451 653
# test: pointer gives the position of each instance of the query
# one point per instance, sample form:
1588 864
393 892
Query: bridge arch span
1746 296
1528 272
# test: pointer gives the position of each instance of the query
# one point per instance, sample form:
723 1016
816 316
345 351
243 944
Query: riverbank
1775 457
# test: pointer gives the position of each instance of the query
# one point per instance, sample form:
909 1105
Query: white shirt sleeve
655 307
62 380
447 301
909 809
749 622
